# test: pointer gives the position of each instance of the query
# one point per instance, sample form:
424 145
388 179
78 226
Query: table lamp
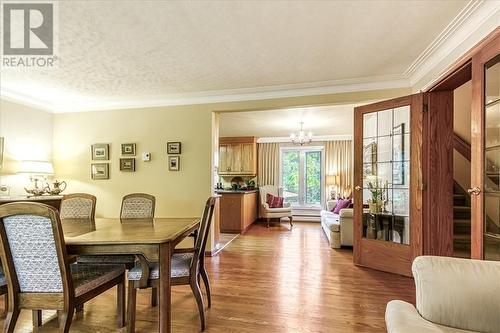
38 171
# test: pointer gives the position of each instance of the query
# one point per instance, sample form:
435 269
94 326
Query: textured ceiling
324 120
112 50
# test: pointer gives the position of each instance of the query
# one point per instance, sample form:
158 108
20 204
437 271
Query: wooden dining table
151 240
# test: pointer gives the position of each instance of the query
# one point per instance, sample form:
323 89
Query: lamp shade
332 179
36 168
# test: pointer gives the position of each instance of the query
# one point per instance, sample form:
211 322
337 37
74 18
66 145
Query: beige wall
28 136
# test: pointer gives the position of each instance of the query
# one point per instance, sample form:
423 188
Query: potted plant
376 202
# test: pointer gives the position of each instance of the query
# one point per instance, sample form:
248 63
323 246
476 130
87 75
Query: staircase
461 223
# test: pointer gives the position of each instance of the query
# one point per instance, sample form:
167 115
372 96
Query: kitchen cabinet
238 156
238 210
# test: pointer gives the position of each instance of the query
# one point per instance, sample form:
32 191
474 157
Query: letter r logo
28 29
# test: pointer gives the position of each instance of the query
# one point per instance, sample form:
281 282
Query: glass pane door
492 161
386 175
301 179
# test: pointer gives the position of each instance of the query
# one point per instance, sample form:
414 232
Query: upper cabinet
238 156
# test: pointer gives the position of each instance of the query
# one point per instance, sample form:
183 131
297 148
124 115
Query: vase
375 206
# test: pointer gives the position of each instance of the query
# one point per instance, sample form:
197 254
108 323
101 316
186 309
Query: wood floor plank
267 280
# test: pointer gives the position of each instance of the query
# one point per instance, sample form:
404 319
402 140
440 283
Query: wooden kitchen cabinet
238 156
238 210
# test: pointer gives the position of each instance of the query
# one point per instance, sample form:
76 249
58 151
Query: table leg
164 308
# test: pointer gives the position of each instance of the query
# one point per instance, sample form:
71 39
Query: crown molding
17 97
318 138
469 27
220 96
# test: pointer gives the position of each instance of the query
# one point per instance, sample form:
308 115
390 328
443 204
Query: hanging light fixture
301 138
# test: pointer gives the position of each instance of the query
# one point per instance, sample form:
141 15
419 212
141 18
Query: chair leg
268 219
120 303
11 319
37 318
132 298
206 282
291 220
154 297
66 319
195 287
6 305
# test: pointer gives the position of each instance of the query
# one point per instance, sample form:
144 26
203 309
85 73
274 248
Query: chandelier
301 138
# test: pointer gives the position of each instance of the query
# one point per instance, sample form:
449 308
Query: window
301 176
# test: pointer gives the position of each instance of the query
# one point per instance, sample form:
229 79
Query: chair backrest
138 206
460 293
201 241
264 190
25 227
78 206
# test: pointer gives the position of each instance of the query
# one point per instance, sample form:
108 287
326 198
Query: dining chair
3 290
44 279
187 267
78 206
138 206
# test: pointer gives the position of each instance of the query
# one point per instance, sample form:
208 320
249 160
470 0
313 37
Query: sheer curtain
339 162
269 160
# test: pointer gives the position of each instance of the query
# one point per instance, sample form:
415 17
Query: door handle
358 188
475 190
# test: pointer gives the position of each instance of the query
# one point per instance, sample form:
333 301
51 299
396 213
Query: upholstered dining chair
79 206
188 266
138 206
271 213
44 279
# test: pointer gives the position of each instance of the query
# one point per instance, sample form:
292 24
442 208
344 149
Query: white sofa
338 228
453 295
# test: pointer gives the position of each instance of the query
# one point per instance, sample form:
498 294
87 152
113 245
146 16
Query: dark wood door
485 152
388 183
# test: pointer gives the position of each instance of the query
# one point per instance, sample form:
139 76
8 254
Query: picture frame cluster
127 164
174 149
100 152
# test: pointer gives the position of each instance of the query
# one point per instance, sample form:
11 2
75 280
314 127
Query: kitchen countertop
236 192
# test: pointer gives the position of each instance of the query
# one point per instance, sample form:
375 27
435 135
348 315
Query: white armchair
271 213
453 295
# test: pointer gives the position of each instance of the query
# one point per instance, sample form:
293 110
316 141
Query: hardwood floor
267 280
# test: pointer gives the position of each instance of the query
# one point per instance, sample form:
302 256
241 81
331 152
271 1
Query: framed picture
100 151
1 152
173 163
173 147
127 164
128 149
99 171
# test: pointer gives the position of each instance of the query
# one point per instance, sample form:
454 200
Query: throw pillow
274 201
341 204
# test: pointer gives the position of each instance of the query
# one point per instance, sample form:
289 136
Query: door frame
384 255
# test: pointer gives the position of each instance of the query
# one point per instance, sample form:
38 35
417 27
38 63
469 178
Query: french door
485 149
301 176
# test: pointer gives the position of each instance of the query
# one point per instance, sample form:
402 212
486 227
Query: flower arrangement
378 191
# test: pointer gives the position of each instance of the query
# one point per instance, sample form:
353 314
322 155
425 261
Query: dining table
151 240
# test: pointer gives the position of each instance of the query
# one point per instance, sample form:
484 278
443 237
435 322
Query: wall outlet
146 157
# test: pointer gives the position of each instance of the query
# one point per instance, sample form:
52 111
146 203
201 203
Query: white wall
28 135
